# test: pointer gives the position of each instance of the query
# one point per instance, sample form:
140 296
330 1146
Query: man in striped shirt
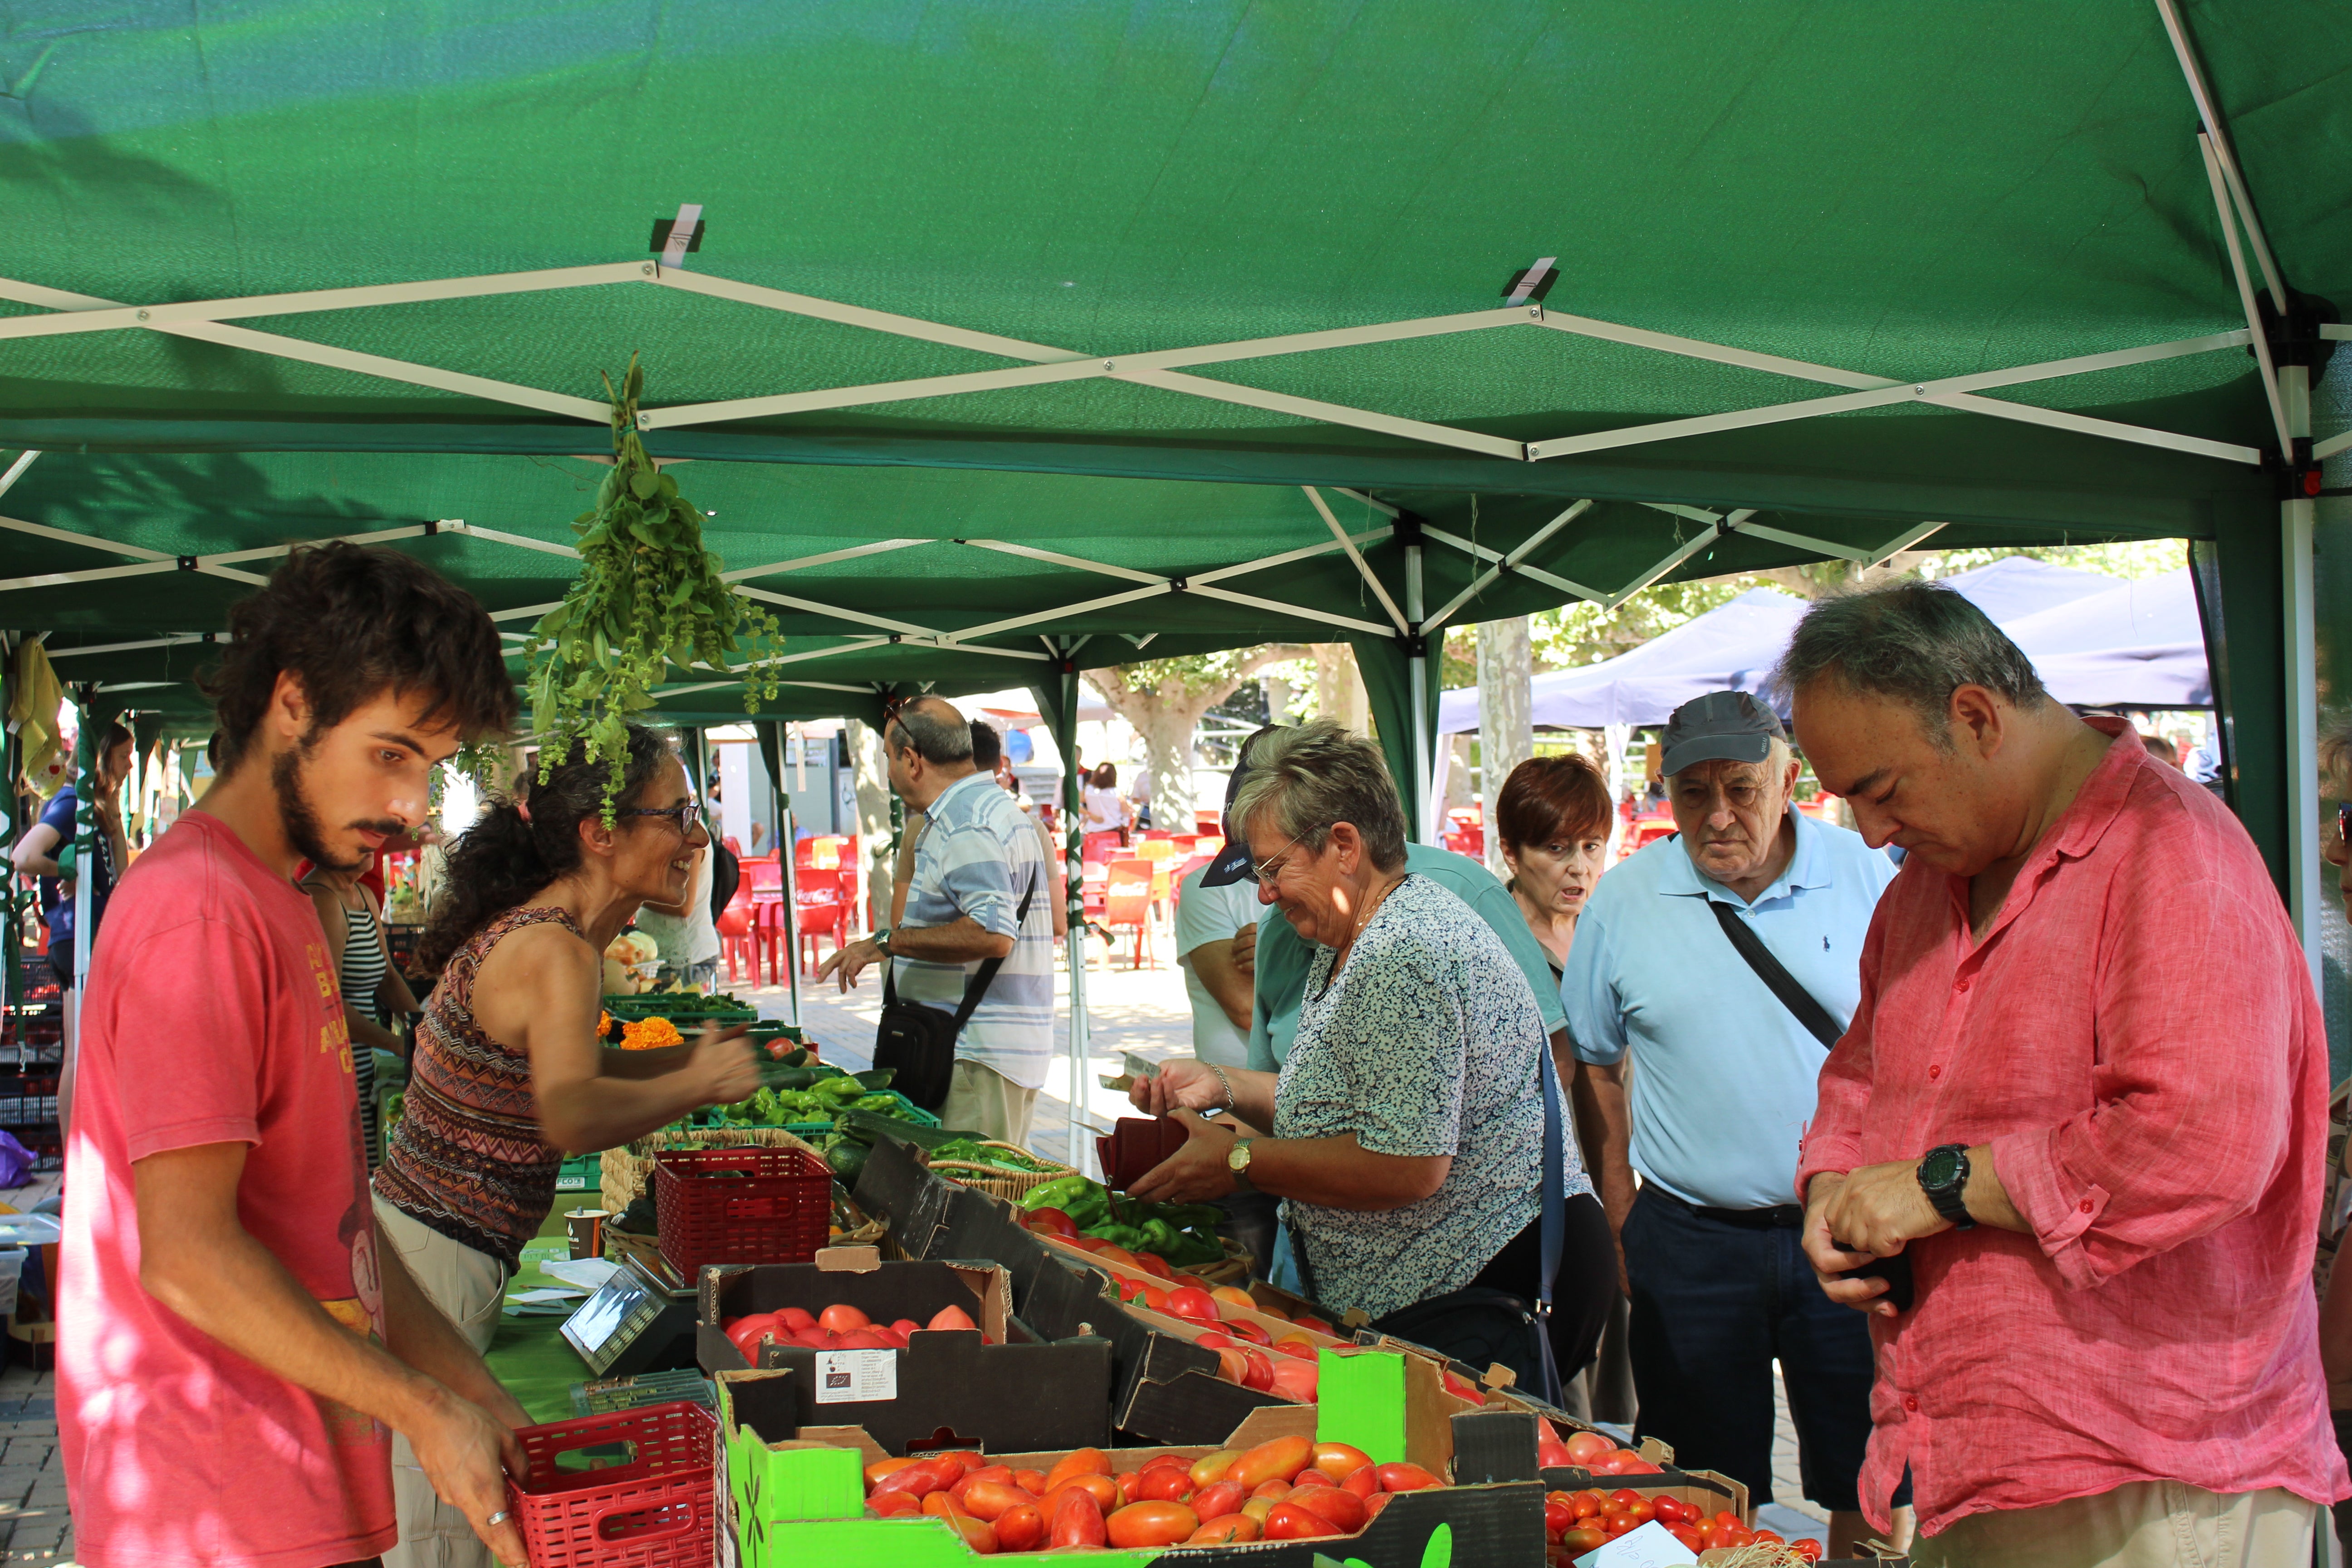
978 858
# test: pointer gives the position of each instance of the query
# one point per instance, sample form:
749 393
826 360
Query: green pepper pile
1185 1234
978 1154
820 1101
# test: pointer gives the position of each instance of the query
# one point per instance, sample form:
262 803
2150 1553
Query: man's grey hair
1915 643
2335 750
1304 778
937 731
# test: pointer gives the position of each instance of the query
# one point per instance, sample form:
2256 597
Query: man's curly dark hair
350 621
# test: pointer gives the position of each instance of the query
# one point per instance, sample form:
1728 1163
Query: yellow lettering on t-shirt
335 1035
320 975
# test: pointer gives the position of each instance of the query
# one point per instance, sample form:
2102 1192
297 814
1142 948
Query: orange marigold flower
650 1035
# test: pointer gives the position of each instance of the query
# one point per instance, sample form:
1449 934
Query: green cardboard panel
1361 1400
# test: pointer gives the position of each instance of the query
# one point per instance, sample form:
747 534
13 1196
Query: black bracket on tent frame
1529 284
662 226
1177 584
187 562
2295 339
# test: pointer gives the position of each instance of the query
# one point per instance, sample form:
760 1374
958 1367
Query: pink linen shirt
2136 1039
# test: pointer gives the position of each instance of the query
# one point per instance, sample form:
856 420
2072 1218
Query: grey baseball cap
1722 726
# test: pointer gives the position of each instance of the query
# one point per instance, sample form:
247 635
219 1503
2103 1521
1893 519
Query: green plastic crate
580 1173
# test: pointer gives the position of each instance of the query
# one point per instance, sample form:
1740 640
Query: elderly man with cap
1724 962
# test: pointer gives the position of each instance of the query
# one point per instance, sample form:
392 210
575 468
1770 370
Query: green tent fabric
1040 194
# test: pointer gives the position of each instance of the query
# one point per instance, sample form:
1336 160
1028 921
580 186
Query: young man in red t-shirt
235 1345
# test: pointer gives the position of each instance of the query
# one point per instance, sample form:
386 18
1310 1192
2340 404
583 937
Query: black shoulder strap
1796 998
977 986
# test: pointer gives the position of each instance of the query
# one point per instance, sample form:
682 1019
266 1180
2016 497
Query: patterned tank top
466 1158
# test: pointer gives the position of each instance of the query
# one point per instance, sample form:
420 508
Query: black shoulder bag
1482 1327
1796 998
920 1041
1895 1270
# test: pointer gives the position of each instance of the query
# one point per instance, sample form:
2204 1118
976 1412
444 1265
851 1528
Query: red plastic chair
1128 893
764 875
1099 848
820 911
805 853
736 936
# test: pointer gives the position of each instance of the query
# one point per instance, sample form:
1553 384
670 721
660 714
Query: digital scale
633 1323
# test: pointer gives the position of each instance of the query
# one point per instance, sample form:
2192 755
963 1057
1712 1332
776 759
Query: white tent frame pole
1484 554
1363 569
1509 563
1707 536
204 319
1906 542
2246 295
17 469
2209 112
2307 891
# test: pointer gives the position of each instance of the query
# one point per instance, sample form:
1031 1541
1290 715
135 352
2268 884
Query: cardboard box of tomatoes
905 1353
1334 1481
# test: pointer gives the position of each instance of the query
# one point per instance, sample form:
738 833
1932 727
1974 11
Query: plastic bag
16 1161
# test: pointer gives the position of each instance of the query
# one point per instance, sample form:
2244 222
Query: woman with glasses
1409 1118
508 1073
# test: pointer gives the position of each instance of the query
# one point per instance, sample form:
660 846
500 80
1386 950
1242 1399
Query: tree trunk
1167 730
870 768
1506 733
1339 688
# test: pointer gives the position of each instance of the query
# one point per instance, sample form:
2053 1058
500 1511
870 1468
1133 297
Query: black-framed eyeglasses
687 817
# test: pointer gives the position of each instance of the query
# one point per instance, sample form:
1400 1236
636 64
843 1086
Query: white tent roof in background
2097 640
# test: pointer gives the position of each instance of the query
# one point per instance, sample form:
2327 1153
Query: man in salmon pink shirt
2101 1171
235 1345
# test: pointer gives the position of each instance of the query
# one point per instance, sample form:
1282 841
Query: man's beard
301 823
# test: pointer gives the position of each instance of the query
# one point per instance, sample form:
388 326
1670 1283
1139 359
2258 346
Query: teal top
1284 956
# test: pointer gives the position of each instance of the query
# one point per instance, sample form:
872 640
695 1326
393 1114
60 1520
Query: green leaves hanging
649 596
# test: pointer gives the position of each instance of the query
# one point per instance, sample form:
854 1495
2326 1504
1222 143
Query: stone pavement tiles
34 1524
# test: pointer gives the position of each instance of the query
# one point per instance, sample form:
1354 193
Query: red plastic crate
740 1205
654 1509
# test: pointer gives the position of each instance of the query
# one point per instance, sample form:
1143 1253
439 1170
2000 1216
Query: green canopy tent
1140 303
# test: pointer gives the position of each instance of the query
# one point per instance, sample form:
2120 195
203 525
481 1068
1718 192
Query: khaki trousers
982 1100
469 1288
2141 1524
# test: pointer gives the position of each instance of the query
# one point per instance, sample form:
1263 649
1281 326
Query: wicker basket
626 1171
997 1181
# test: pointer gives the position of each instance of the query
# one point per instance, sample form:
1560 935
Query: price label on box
857 1377
1650 1545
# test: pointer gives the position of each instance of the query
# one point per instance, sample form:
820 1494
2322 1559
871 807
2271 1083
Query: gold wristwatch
1238 1161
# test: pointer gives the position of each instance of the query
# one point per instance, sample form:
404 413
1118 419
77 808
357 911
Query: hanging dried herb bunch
649 596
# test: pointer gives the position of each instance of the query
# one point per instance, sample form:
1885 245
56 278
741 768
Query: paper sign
1651 1546
859 1377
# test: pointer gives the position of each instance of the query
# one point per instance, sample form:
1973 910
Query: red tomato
1667 1511
1281 1459
1557 1516
1403 1477
1033 1481
1077 1462
1579 1539
1289 1521
1688 1536
1076 1520
1770 1536
1154 1266
880 1468
970 1477
1021 1528
866 1340
1806 1547
1583 1448
795 1318
1374 1503
1363 1480
1210 1469
1229 1528
1585 1503
890 1505
993 1500
1150 1524
1242 1328
1101 1488
1054 1220
1641 1513
1186 1302
1343 1509
1338 1460
1276 1489
1163 1483
841 1318
964 1458
978 1533
921 1480
1218 1500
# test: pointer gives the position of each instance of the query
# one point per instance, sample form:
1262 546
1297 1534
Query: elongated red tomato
1078 1520
1150 1524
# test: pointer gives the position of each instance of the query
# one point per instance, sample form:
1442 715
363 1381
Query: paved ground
34 1524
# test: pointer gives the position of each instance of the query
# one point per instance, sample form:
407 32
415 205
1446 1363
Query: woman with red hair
1553 819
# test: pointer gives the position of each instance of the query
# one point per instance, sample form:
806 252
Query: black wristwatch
1943 1177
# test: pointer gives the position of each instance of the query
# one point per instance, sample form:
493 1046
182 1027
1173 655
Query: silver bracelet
1227 1107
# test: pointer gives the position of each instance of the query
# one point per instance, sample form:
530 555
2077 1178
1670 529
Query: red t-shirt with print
212 1016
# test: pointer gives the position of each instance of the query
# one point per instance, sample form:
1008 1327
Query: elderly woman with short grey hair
1408 1119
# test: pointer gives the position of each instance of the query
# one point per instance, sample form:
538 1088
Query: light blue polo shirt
1723 1074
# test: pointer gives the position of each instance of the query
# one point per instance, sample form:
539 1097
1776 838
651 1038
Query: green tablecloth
529 1355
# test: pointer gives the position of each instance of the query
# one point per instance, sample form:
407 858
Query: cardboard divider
945 1389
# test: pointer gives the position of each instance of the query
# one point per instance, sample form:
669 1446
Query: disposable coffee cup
587 1231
